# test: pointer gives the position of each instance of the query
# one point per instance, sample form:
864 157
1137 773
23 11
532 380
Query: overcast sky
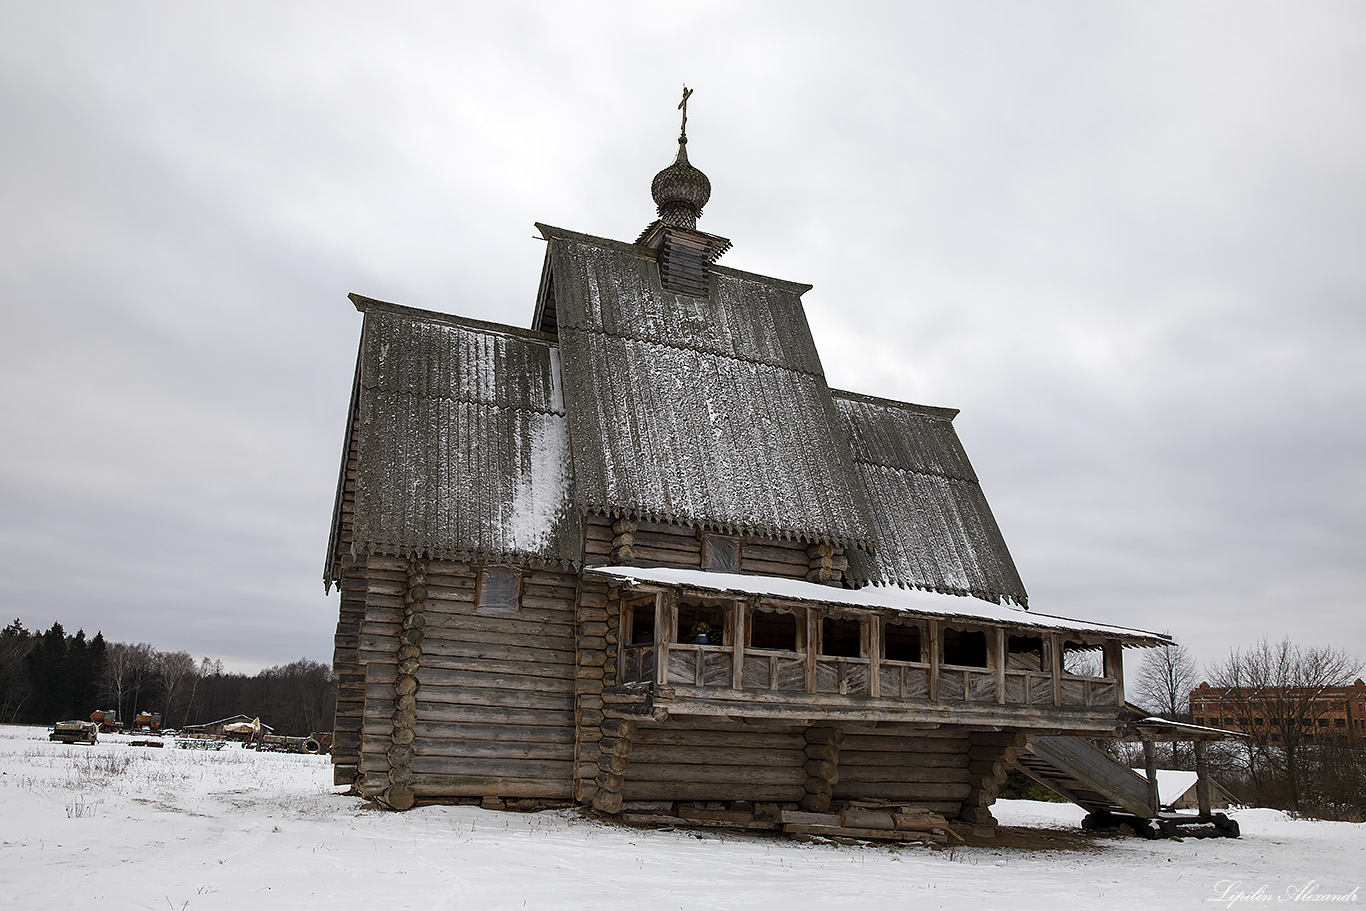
1128 240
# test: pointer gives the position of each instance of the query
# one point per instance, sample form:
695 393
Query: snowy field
112 826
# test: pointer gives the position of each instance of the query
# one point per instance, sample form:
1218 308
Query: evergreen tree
46 664
15 643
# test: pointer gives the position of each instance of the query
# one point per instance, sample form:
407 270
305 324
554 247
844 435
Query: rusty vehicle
107 719
75 732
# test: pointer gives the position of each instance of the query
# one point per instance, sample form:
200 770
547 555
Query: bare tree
1278 694
1165 680
1163 686
176 675
127 673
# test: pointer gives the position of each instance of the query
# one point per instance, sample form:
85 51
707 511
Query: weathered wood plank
850 774
452 712
711 790
708 772
557 670
550 770
510 750
521 652
535 733
524 699
432 784
645 752
907 761
439 678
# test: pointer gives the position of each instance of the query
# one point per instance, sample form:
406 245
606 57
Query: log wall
927 768
345 654
492 693
638 543
706 758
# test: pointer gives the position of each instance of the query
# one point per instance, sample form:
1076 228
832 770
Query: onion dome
680 190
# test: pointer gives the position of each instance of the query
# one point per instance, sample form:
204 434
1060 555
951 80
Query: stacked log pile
875 820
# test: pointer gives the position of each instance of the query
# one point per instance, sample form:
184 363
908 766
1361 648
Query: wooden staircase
1086 776
1112 794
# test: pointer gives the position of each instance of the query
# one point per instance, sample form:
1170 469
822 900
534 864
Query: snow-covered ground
113 826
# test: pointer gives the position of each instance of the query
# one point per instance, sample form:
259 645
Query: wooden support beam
934 660
813 631
1203 786
1113 651
1150 769
1000 665
874 628
1055 660
664 606
739 621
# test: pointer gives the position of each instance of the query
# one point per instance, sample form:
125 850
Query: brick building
1333 713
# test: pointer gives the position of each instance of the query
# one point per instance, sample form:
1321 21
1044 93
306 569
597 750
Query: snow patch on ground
118 826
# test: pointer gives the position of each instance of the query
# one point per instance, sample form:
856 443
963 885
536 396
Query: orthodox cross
683 106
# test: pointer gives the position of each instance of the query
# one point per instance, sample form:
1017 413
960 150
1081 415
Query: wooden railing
842 675
786 671
774 670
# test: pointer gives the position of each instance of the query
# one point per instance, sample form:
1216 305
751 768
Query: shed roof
710 411
463 443
931 523
911 601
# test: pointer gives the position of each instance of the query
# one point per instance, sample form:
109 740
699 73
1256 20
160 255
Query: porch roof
912 601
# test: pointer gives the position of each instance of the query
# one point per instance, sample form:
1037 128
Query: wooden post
1203 786
813 632
1150 767
1000 665
737 643
1114 667
874 655
934 660
1055 659
664 602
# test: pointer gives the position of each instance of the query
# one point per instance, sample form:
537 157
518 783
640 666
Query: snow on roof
1171 784
1200 728
463 444
910 600
932 527
708 410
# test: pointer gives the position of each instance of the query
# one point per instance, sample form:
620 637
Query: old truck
75 732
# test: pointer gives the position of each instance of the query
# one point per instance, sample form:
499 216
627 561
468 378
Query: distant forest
51 676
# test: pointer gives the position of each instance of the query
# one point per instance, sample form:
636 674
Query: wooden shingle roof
931 523
462 443
482 441
711 411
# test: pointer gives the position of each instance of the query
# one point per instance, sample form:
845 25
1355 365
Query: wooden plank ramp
1086 776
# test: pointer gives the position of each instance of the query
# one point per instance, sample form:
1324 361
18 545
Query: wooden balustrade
706 666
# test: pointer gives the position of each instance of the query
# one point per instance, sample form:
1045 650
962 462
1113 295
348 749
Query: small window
773 630
720 553
841 637
966 648
500 588
704 624
901 642
643 623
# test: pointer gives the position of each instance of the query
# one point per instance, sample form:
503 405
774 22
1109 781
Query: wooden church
641 557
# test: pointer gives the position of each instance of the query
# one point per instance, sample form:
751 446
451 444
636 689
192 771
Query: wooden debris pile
867 819
877 820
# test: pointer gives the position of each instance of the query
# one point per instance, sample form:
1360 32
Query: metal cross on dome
683 106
